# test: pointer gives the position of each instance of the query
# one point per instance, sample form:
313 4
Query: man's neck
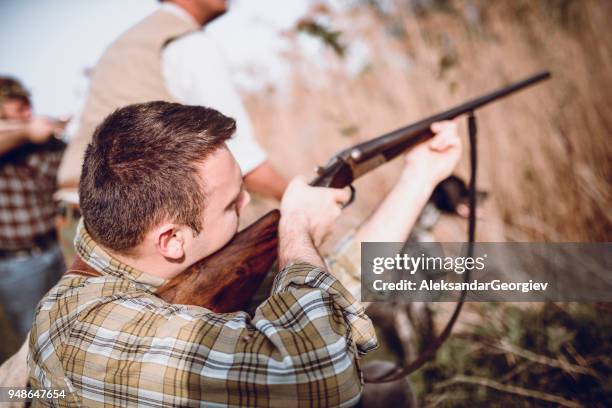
199 14
152 265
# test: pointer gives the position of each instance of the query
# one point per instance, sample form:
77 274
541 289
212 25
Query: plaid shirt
27 184
110 341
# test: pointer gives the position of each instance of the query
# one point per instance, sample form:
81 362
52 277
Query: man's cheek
229 226
235 223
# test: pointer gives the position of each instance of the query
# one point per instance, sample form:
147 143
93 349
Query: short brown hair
11 88
140 169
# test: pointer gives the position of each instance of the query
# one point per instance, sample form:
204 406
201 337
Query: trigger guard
350 201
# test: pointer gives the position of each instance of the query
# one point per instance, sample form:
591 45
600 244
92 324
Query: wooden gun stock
227 280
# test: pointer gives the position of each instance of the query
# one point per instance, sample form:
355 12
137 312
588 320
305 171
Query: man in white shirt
191 71
196 74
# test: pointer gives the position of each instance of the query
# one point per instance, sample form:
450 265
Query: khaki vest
128 72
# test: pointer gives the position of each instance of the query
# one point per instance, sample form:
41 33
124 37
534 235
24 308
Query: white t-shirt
196 74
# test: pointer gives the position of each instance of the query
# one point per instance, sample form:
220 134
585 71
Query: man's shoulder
197 38
116 316
78 304
81 298
75 293
193 44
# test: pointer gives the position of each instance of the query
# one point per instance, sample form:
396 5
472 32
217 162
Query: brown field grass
545 154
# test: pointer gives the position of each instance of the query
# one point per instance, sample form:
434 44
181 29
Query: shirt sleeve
344 262
300 348
196 74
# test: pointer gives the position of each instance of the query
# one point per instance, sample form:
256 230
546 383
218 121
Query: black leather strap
430 351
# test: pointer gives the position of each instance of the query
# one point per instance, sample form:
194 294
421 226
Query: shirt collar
96 257
179 12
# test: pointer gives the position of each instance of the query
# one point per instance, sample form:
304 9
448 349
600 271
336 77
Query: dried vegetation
545 158
545 154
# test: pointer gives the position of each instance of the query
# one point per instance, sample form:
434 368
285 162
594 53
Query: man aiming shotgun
60 321
225 281
160 191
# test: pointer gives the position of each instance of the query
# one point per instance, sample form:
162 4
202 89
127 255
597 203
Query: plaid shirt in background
110 341
27 183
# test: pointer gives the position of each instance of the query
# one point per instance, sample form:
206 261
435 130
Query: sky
48 44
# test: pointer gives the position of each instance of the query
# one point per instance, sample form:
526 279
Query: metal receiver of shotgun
226 280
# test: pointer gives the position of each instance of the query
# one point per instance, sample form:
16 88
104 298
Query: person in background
168 57
30 258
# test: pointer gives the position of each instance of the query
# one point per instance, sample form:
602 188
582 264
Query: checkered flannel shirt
109 341
27 183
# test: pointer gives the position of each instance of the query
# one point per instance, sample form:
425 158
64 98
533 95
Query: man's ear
169 241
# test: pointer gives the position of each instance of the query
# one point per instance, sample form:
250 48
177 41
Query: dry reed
545 154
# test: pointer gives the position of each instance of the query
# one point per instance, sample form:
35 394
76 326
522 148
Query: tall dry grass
545 154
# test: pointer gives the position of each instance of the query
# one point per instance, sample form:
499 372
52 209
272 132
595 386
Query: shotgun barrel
370 154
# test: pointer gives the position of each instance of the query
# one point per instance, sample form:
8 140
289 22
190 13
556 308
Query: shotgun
226 280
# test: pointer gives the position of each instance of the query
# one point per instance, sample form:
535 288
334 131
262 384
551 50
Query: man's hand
40 129
14 133
427 164
307 216
438 157
315 209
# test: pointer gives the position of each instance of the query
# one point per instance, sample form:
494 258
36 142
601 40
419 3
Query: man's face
225 198
16 109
